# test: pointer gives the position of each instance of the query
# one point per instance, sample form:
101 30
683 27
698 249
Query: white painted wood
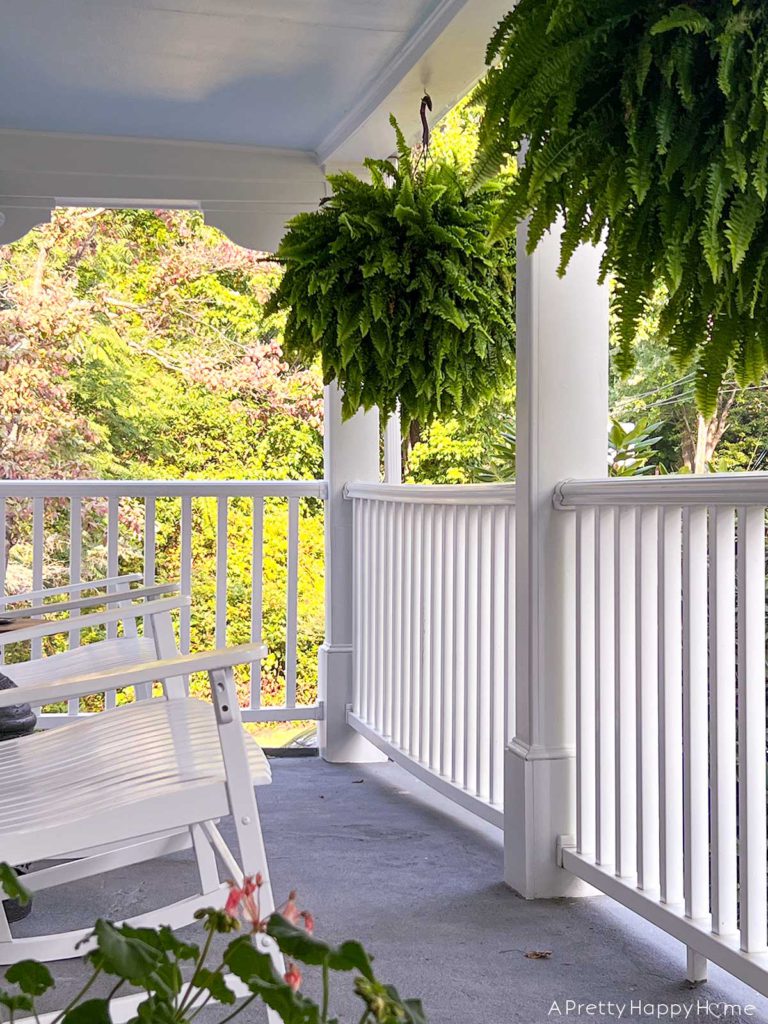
185 572
562 405
670 706
442 785
605 689
449 623
113 538
80 603
70 588
751 728
586 675
163 488
434 594
292 598
428 628
458 765
626 698
150 538
397 584
38 557
257 594
220 598
722 688
647 680
695 725
75 563
709 489
393 450
696 934
133 773
351 451
433 494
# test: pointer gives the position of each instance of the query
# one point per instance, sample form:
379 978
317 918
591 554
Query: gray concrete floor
377 856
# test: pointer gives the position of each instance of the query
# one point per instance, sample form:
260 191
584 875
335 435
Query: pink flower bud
292 977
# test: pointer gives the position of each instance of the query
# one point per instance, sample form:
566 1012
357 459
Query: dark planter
17 720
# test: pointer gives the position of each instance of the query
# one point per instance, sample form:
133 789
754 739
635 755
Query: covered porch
553 664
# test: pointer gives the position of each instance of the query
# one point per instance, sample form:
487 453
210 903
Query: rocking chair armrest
145 672
140 610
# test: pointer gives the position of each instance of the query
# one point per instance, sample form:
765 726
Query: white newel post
562 409
351 452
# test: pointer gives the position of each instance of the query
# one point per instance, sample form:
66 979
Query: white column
393 450
351 452
562 409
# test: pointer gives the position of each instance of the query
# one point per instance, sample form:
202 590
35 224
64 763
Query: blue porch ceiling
274 73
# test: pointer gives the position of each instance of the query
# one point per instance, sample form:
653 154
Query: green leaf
255 969
214 982
300 945
92 1011
682 17
11 886
746 211
16 1003
31 977
124 954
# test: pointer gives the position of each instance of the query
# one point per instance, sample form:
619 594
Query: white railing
671 720
50 513
433 632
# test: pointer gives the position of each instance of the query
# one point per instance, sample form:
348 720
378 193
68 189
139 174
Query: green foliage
646 123
11 886
394 285
502 466
632 447
152 960
134 345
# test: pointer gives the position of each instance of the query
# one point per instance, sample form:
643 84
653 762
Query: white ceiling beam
247 191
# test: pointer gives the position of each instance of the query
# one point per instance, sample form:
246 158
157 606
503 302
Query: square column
562 425
351 452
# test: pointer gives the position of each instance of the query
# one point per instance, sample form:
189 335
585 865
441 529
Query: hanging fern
394 285
646 123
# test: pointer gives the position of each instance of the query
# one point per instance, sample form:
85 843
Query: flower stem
239 1009
191 994
326 991
78 997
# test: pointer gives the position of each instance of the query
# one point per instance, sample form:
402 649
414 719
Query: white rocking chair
115 785
128 649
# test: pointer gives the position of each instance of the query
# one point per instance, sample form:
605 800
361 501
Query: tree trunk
699 452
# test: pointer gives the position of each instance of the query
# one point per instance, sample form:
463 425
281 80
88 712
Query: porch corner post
562 412
350 452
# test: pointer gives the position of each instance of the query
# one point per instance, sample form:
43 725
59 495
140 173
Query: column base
539 807
338 742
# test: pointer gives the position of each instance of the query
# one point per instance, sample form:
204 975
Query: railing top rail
434 494
729 490
163 488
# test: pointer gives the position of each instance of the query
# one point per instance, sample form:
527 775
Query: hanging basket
395 287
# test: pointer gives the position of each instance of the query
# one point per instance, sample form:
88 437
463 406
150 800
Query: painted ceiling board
250 72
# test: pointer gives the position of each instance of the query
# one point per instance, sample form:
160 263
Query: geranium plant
394 285
646 126
152 959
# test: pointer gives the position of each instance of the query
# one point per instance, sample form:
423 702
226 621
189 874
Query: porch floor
377 856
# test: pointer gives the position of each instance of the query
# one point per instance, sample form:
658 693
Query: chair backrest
101 654
157 643
110 583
